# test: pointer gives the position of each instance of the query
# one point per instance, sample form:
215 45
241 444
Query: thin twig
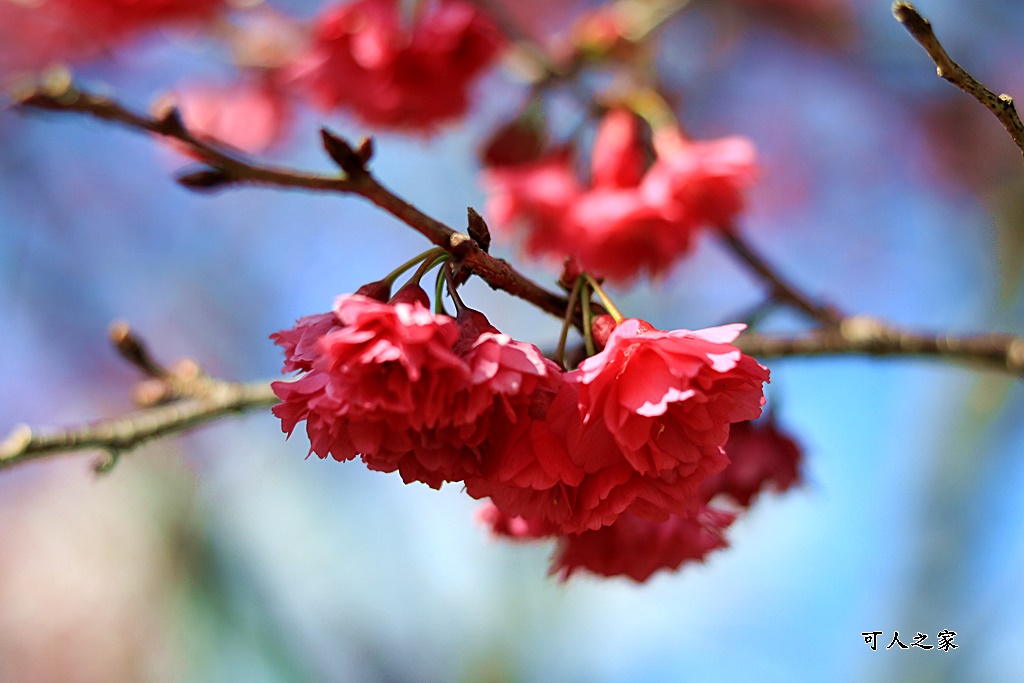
782 290
207 399
211 399
1000 105
235 170
855 336
120 435
134 350
861 335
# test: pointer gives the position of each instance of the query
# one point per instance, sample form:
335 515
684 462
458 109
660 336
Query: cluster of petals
631 219
35 35
636 429
397 71
612 459
631 547
404 388
761 457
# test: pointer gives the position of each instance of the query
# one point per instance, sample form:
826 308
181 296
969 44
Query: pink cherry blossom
635 430
393 71
252 116
700 183
631 220
37 35
408 390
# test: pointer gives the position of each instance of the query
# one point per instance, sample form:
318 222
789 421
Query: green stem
429 263
439 292
609 306
453 289
588 333
574 296
397 272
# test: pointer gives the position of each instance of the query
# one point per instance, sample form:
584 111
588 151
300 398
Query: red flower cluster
760 456
34 35
630 547
635 429
406 389
614 452
631 220
395 72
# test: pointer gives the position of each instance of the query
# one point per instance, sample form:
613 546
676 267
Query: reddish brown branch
197 399
855 336
497 273
1000 105
782 290
861 335
121 434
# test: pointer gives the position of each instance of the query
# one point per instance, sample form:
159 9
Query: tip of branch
907 15
133 349
106 464
900 7
205 180
365 150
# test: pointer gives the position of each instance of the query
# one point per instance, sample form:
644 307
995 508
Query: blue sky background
225 555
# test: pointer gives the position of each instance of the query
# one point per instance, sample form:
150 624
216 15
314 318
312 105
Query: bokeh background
225 555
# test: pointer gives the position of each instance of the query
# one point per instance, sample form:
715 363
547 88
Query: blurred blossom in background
225 555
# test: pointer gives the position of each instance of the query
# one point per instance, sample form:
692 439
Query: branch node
170 123
205 180
16 442
1015 356
860 330
107 461
459 243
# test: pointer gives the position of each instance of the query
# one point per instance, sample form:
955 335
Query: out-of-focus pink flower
760 457
520 141
35 35
700 183
609 228
617 160
602 33
124 16
252 116
406 389
616 234
631 220
534 199
366 58
637 547
504 525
